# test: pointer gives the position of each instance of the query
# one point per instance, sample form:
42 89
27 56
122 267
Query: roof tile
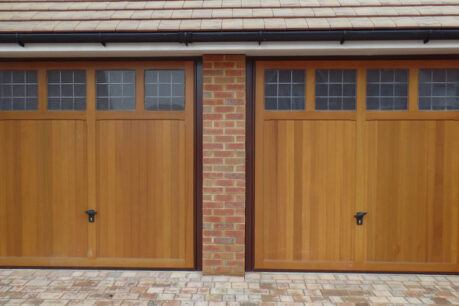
161 14
141 14
323 12
304 12
383 22
222 13
106 25
165 15
84 26
250 24
271 3
122 14
190 24
211 24
66 26
283 12
232 3
135 4
340 23
296 23
148 25
173 4
181 14
361 23
262 12
318 23
191 4
275 24
212 3
155 4
169 25
232 24
128 25
242 12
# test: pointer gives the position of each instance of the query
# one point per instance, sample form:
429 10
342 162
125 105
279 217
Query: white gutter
327 48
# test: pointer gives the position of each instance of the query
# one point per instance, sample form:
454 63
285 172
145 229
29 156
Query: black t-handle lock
91 215
359 216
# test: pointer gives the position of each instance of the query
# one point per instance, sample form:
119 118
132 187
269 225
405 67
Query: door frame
250 145
197 163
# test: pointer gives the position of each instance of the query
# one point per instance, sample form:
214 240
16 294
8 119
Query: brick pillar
223 164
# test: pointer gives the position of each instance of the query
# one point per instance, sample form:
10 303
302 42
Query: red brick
213 248
234 204
223 124
212 73
224 138
235 131
223 226
234 233
212 175
212 219
212 146
212 160
223 153
224 240
212 87
224 80
235 116
224 109
234 72
239 87
235 146
225 183
212 262
225 256
213 131
235 219
212 233
234 176
212 116
224 65
223 212
234 101
223 197
216 101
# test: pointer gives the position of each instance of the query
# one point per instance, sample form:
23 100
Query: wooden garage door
336 138
113 137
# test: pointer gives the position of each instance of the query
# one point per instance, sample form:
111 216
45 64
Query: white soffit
328 48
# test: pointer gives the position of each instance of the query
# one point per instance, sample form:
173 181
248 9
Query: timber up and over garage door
96 164
336 140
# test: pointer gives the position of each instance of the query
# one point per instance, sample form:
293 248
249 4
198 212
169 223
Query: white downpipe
349 48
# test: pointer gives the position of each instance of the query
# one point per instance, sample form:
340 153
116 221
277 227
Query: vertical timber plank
91 132
361 164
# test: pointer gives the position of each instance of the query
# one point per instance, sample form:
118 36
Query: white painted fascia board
327 48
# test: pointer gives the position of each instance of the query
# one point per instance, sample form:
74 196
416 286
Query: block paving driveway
121 287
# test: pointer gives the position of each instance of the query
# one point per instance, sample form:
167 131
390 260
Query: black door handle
91 215
359 217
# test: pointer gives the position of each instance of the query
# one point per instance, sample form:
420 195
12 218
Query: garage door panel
115 138
44 188
144 210
412 191
378 139
304 194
